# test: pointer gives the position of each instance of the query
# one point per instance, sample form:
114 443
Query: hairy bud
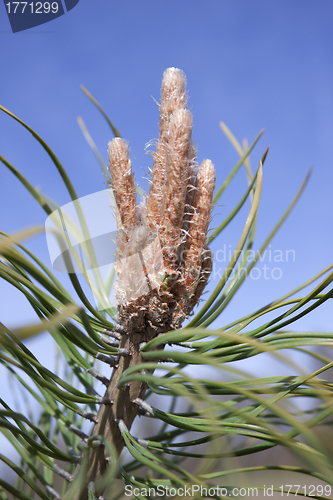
163 263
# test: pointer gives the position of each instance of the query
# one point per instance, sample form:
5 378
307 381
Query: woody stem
122 408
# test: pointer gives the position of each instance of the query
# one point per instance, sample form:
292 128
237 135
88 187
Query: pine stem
122 408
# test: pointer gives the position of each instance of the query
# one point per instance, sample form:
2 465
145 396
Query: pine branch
163 264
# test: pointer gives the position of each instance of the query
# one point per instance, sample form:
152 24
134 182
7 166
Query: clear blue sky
252 64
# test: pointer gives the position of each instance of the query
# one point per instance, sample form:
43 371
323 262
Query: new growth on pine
163 264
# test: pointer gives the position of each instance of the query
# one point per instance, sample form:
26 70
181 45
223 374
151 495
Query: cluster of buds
163 263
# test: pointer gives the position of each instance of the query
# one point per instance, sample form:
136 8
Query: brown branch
122 408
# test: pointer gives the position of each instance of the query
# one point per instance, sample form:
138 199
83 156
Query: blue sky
252 65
